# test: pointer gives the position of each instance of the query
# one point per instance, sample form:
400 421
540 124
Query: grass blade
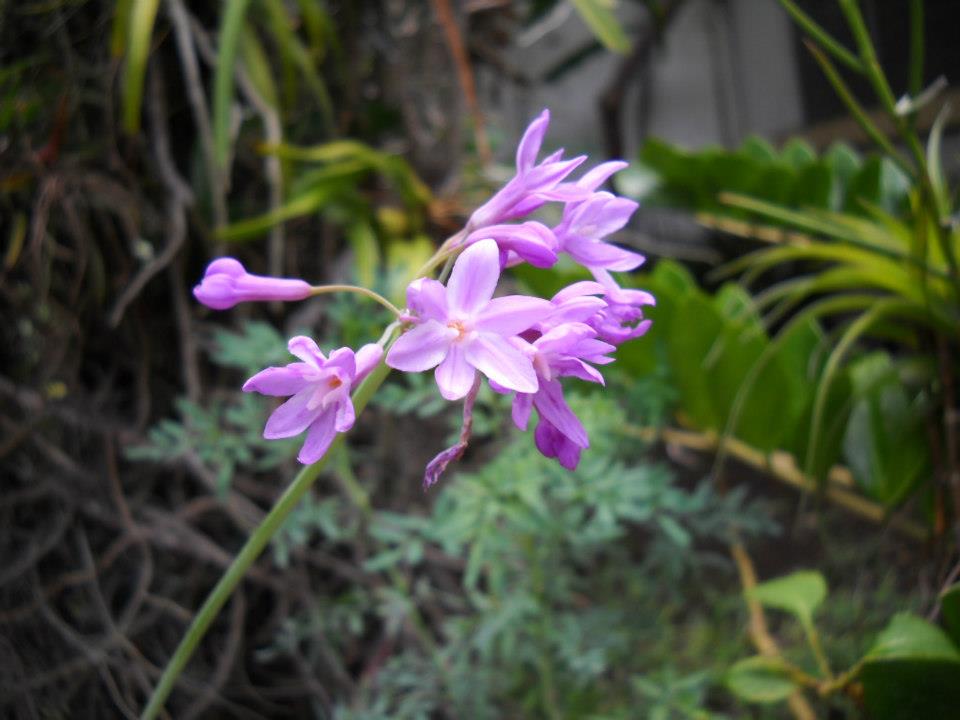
142 16
231 29
604 24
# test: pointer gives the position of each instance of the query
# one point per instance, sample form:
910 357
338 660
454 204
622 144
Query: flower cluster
522 345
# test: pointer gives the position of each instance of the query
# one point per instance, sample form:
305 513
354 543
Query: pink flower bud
226 283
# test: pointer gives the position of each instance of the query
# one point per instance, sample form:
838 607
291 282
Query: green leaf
909 637
366 253
301 205
257 66
759 679
844 163
758 148
142 16
599 16
911 672
879 182
799 594
935 162
885 441
950 607
228 44
798 153
688 351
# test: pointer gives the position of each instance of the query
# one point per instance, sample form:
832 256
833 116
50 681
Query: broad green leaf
688 353
228 44
908 637
798 153
844 162
599 16
814 187
759 679
950 608
885 442
911 672
799 594
881 183
142 16
758 148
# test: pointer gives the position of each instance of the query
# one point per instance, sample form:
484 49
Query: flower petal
552 443
552 407
597 253
455 375
344 361
293 417
520 411
428 299
321 434
306 349
367 359
511 314
280 381
530 143
345 415
563 338
580 289
597 176
421 348
474 278
500 361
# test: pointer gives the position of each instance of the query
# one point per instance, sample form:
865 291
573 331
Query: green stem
813 639
366 292
450 248
854 107
822 37
249 553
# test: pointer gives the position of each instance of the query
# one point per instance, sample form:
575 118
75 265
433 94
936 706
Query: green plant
909 671
875 247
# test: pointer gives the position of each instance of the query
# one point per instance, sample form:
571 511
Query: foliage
909 671
863 246
534 632
839 181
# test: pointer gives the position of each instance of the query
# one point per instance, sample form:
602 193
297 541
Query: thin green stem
366 292
859 114
828 43
447 250
249 553
813 639
284 505
868 55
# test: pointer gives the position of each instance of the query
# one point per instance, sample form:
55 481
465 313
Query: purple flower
530 241
622 307
226 283
462 330
586 223
563 351
533 184
559 432
320 389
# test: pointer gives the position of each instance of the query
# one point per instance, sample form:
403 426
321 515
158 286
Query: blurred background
766 524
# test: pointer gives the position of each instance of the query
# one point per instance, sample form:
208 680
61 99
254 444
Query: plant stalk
250 552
